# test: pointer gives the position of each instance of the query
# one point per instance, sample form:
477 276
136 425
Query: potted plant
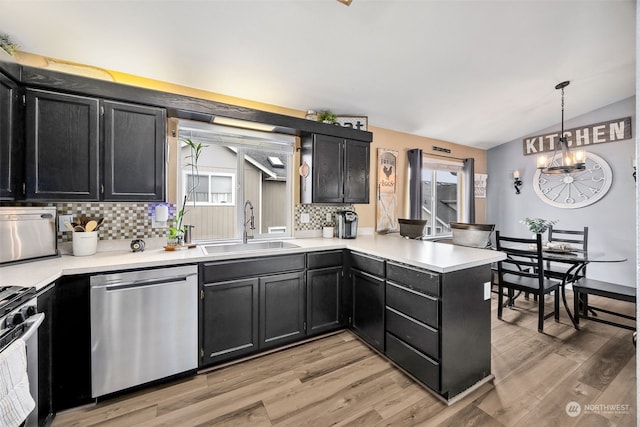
327 116
176 233
8 45
538 225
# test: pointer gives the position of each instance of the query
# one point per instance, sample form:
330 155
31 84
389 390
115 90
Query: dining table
578 261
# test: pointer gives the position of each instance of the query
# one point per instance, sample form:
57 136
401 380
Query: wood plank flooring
339 381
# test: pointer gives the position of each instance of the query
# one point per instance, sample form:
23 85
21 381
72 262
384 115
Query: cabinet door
282 309
229 320
368 308
62 147
10 122
328 169
134 153
324 299
356 174
45 304
71 343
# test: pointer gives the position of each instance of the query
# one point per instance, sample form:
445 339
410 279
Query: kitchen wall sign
480 185
387 220
355 122
576 189
599 133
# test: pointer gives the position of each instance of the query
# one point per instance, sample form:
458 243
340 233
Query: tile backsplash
134 220
317 216
121 220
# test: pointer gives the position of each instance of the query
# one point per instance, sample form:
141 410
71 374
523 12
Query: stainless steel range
19 319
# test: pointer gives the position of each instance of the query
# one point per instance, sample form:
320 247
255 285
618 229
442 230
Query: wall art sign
387 202
599 133
480 185
355 122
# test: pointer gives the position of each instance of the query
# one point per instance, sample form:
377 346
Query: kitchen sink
246 247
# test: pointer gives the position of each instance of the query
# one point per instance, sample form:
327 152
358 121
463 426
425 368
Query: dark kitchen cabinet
45 303
325 294
338 170
230 319
10 147
438 326
62 146
282 309
134 152
71 343
250 305
368 298
75 153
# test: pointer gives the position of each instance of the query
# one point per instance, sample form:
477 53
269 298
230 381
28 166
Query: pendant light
563 160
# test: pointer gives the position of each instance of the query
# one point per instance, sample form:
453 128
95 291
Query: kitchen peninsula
423 305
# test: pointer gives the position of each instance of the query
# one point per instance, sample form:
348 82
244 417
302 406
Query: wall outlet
329 217
61 220
304 218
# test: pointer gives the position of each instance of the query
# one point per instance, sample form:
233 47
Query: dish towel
16 402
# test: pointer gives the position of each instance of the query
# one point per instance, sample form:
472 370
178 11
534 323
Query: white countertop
438 257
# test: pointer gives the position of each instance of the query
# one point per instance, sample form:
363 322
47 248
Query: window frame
209 175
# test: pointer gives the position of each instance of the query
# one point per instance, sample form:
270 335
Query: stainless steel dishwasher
144 327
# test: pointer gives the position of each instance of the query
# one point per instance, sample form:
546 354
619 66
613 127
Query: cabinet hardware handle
201 294
101 188
24 188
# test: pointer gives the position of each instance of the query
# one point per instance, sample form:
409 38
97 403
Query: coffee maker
346 224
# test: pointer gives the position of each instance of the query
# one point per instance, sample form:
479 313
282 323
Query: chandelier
563 160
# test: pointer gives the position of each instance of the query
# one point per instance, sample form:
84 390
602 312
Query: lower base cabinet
368 299
230 320
325 293
282 309
249 305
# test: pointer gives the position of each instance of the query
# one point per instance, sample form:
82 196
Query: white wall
611 220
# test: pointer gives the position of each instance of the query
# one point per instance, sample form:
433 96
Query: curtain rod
440 155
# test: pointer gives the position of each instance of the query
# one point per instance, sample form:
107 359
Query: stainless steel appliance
346 224
20 319
28 233
144 327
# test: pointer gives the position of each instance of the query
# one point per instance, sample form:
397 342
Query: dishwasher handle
143 283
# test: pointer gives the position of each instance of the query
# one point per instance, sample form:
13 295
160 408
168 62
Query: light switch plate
304 218
328 217
61 220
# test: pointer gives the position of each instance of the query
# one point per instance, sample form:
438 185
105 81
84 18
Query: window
210 189
235 166
440 186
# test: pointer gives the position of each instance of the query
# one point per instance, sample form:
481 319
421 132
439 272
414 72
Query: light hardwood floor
339 381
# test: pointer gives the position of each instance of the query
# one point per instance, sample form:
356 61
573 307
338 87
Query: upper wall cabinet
334 170
75 152
10 154
134 152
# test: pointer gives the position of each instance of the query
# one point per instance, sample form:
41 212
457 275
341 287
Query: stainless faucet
245 222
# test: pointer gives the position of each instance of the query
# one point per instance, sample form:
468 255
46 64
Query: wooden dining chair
523 270
577 239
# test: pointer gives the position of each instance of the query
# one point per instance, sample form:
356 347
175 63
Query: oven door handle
34 323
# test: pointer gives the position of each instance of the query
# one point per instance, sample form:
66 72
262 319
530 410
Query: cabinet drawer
235 269
414 362
414 304
324 259
413 278
419 335
368 264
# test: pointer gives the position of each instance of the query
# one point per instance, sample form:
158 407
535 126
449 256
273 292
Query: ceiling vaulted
478 73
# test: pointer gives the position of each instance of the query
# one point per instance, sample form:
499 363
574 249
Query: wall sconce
517 183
